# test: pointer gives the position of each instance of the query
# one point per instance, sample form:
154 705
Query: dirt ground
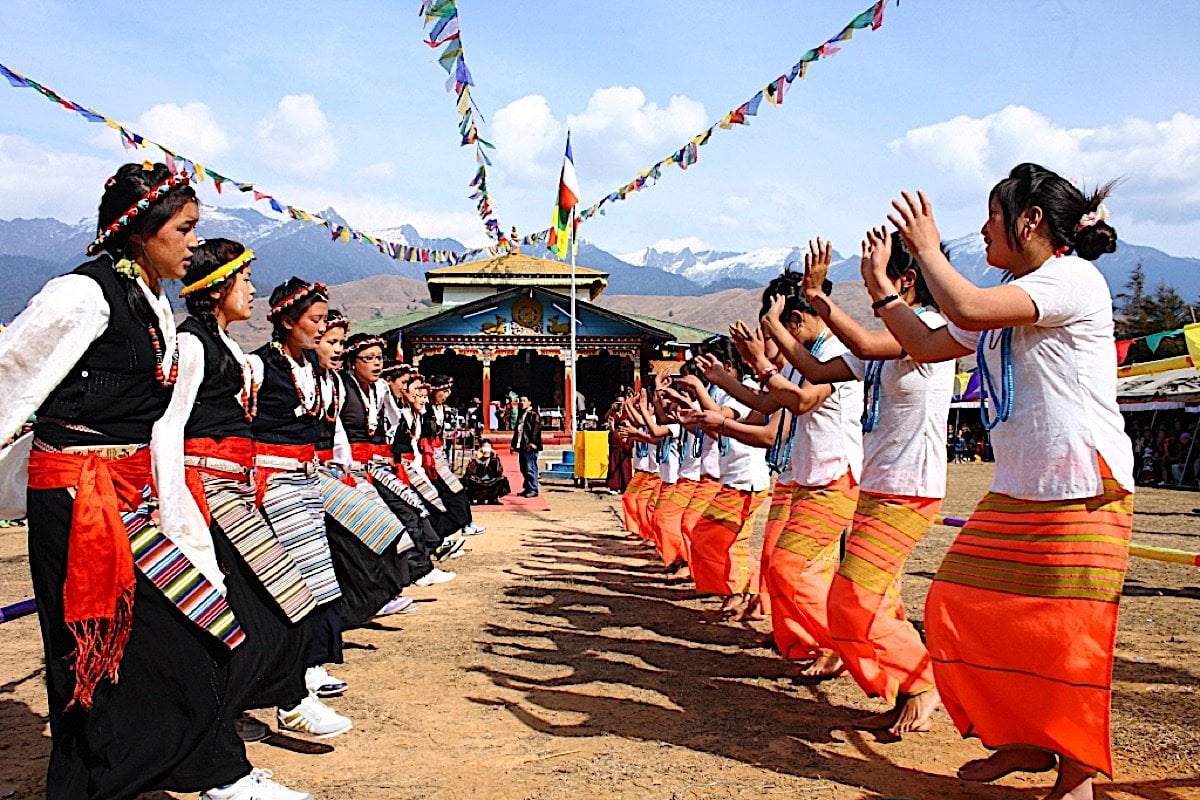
560 665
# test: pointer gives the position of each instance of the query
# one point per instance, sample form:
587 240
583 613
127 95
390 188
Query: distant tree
1133 306
1140 314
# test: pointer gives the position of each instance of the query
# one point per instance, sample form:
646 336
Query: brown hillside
377 296
714 312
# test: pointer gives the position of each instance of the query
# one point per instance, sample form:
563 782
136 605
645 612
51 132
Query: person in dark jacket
527 443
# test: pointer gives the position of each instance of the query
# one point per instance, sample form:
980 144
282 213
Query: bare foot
682 573
876 722
1074 782
732 603
748 611
1005 762
915 713
822 668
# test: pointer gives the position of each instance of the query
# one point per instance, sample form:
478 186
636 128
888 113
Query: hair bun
1095 240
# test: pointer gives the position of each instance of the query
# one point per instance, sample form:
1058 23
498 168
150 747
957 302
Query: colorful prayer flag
563 227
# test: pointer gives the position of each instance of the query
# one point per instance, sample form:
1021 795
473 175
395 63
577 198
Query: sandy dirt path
560 665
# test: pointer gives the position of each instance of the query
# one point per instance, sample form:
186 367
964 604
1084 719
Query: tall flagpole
574 373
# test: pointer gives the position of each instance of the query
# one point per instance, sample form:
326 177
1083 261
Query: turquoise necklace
1002 400
872 380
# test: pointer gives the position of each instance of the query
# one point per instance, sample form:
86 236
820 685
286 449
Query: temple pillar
486 400
568 395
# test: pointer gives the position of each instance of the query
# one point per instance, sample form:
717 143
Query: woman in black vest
433 443
285 428
406 387
367 540
204 459
94 354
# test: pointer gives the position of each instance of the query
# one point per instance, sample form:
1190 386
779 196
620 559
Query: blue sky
342 105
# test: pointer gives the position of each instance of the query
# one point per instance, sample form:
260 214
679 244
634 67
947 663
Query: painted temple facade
501 327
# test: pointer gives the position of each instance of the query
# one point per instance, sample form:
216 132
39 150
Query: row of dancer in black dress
204 523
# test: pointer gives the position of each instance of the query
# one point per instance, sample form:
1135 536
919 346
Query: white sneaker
255 786
321 683
436 577
315 718
473 530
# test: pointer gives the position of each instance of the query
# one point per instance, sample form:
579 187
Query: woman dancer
285 430
406 452
721 562
433 452
94 354
1021 618
366 539
903 483
204 458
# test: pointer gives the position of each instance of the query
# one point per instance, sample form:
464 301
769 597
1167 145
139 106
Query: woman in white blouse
1021 618
137 627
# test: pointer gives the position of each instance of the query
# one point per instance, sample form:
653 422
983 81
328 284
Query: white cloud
298 138
1159 161
528 137
621 132
188 129
693 243
37 182
378 172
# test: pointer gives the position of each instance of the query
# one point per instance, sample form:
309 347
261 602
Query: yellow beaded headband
220 274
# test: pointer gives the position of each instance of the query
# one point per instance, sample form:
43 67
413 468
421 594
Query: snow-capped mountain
707 267
710 268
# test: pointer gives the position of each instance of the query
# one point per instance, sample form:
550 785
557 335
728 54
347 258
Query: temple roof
514 265
513 269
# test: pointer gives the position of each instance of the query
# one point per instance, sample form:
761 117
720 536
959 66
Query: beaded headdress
359 342
318 291
172 180
336 319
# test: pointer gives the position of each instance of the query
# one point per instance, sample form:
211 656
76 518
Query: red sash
99 586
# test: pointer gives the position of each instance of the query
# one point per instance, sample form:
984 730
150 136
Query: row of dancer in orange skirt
1021 618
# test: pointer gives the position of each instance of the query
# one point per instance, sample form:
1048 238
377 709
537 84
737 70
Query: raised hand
876 252
913 218
692 384
772 323
816 266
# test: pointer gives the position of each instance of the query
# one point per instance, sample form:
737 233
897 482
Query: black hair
350 355
789 284
1063 206
293 312
721 348
130 184
201 304
901 261
205 259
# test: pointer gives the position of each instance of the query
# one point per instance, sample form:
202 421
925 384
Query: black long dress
168 722
268 669
368 580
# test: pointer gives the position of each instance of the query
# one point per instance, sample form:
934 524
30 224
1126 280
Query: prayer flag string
773 93
176 161
443 30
